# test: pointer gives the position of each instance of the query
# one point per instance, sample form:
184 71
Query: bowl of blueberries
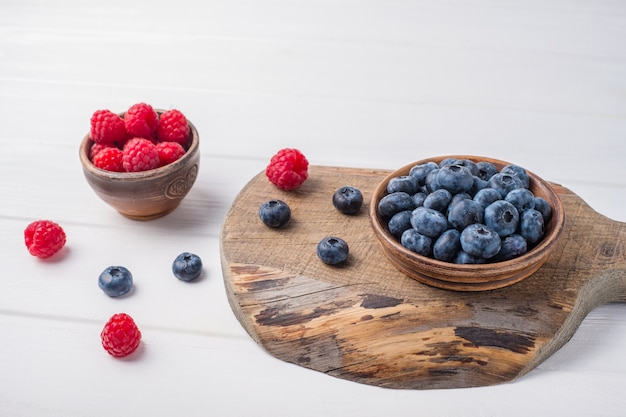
466 223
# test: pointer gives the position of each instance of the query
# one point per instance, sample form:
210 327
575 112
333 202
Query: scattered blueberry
187 266
348 200
502 217
275 213
332 250
115 281
480 241
417 242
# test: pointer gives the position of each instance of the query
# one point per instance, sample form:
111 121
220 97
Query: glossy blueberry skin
543 207
420 171
463 213
487 196
438 200
274 213
394 203
502 217
521 198
464 258
417 242
512 246
428 222
333 250
115 281
187 266
348 200
504 183
519 172
486 170
447 245
405 183
531 226
399 223
455 178
480 241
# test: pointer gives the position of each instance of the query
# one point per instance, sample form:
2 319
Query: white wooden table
373 84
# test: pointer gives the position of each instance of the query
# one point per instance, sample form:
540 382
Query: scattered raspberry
120 336
140 155
173 127
109 159
287 169
95 148
44 238
169 152
141 121
107 128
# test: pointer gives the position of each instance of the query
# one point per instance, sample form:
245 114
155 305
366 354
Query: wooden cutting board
367 322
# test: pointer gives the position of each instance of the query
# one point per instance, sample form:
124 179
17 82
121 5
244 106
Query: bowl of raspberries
142 162
466 223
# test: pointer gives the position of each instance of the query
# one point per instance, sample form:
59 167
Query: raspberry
169 152
287 169
109 159
107 128
120 335
141 121
44 238
95 148
140 155
173 127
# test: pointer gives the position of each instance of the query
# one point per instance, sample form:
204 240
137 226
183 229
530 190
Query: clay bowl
149 194
475 277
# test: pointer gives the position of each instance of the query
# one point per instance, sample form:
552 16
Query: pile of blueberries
465 212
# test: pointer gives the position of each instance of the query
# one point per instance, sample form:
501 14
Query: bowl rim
469 273
155 173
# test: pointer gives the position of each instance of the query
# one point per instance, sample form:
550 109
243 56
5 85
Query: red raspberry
141 121
109 159
287 169
169 152
140 155
120 335
44 238
95 148
173 127
107 128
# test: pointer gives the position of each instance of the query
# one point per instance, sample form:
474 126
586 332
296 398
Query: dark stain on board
379 301
478 337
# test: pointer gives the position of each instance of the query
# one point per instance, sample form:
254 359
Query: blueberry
469 164
428 222
187 266
531 226
543 207
115 281
333 250
477 185
417 242
519 172
521 198
447 161
486 170
420 171
418 199
512 247
504 183
348 200
399 223
438 199
431 182
274 213
394 203
502 217
465 212
405 183
465 258
480 241
458 197
486 196
455 178
447 245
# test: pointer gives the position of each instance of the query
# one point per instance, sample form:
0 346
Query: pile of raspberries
139 140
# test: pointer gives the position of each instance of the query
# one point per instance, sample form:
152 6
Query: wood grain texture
369 323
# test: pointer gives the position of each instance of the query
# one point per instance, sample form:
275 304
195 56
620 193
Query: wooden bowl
475 277
149 194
